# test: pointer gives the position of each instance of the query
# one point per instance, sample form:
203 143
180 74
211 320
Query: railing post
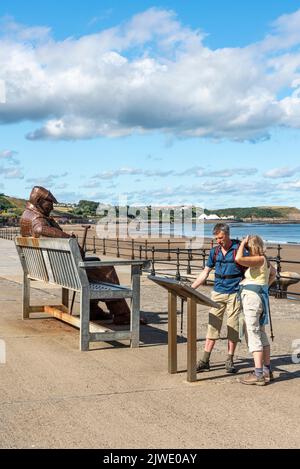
153 261
118 248
141 251
178 264
94 244
188 270
146 249
104 247
132 249
203 258
169 250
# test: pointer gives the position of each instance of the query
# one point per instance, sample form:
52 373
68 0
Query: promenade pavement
54 396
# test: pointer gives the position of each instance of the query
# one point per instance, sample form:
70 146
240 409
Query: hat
40 193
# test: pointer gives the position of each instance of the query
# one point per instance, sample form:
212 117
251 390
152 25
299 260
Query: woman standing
255 301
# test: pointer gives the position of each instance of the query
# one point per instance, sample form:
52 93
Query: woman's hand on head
245 240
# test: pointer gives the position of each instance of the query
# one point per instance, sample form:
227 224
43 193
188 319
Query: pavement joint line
47 336
21 283
91 396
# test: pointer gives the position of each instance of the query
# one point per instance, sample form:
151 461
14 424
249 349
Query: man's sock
259 372
206 356
230 358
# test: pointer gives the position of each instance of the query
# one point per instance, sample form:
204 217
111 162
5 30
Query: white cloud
196 171
12 30
150 73
11 173
291 185
47 181
286 33
72 197
220 173
2 92
284 172
61 186
9 156
205 191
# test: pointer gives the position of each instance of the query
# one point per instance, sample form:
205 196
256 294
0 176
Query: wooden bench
58 261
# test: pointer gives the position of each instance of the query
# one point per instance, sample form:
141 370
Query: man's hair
221 227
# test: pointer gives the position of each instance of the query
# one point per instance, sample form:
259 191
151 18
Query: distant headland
11 209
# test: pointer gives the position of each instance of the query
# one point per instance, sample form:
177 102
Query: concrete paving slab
54 396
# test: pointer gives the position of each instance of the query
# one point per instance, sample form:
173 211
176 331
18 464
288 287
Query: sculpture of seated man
36 222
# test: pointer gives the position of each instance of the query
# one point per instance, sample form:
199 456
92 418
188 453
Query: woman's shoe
251 378
268 376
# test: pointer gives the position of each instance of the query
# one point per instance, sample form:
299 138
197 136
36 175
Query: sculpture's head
42 199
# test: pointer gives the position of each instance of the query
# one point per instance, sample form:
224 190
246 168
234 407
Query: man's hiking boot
124 319
229 366
251 378
202 366
268 376
97 313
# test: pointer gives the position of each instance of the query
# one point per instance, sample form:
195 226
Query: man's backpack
241 267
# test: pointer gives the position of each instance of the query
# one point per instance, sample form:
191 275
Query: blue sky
170 102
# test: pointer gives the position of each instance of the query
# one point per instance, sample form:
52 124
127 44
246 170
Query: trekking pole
271 325
181 317
86 228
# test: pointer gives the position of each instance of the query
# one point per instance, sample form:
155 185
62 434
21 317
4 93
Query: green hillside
258 212
12 207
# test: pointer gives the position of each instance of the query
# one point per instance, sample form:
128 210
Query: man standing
228 275
36 222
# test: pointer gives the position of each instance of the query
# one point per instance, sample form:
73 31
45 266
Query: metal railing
169 258
172 257
9 233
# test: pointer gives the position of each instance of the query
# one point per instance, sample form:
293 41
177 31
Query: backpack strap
241 267
216 252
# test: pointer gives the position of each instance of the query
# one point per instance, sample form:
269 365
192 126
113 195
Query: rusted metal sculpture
36 222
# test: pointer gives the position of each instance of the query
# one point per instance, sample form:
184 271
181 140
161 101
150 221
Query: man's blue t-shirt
227 273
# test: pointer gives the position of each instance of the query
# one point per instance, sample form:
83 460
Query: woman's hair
256 245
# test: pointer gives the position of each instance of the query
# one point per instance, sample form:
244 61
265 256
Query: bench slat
63 269
35 264
109 291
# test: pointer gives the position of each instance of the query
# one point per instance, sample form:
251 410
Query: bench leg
26 296
65 297
84 320
135 308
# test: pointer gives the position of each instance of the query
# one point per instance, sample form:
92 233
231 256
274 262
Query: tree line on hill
12 208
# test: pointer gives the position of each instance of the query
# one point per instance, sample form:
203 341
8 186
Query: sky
165 103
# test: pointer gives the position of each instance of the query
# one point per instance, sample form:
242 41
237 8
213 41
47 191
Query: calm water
287 233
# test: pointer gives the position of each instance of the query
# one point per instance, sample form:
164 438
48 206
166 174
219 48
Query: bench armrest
91 264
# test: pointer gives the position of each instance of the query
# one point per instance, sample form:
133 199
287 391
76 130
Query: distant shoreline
255 222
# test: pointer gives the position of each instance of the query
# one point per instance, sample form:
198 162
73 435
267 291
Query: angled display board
193 297
183 291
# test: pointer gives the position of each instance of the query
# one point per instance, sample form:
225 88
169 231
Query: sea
288 233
